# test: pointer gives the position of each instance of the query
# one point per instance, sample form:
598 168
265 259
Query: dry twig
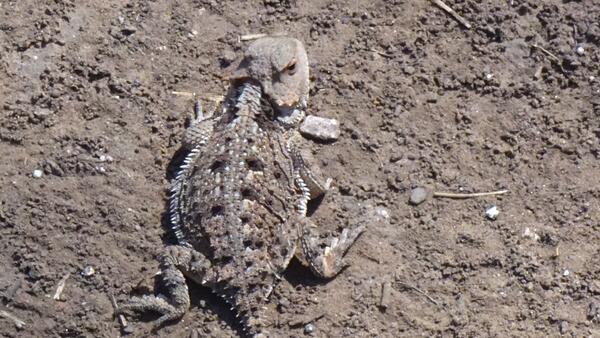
414 288
468 195
61 286
552 57
450 11
547 52
384 301
381 53
369 257
18 323
249 37
307 319
122 320
183 93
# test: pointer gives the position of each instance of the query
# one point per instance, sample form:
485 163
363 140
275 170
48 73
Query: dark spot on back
217 210
217 166
248 193
255 164
245 218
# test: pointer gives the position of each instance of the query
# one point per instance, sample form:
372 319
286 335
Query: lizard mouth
291 115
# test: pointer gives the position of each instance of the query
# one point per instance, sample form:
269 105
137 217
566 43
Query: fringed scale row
174 199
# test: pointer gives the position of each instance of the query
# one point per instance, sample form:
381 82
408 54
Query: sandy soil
86 97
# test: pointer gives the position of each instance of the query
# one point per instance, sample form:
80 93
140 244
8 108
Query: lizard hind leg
201 126
176 263
326 260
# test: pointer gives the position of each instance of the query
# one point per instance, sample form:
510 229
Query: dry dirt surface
86 98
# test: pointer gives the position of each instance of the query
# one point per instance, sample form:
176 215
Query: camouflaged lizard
238 204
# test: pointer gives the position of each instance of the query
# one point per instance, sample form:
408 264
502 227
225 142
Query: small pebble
592 311
309 328
492 212
88 271
527 233
566 273
563 326
37 173
320 128
105 158
580 50
383 213
418 195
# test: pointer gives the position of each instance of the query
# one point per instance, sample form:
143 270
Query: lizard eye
291 67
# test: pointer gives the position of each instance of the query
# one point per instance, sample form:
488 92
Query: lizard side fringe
174 198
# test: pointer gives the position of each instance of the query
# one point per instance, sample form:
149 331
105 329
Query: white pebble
527 233
492 212
88 271
489 76
37 173
418 195
105 158
566 273
382 212
321 128
580 50
309 328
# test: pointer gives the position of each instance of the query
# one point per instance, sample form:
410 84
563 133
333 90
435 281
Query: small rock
418 195
492 212
566 273
42 112
409 70
563 326
128 30
227 57
105 158
309 328
580 50
527 233
52 167
37 173
320 128
383 213
88 271
592 311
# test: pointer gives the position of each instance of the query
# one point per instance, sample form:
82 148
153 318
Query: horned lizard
238 204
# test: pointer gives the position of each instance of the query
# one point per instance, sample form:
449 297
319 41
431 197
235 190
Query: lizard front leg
176 263
302 162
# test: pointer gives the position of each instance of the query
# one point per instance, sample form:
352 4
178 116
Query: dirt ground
86 96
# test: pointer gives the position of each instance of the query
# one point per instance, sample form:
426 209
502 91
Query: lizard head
280 65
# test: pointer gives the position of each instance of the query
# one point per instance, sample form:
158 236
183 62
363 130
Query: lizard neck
247 104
